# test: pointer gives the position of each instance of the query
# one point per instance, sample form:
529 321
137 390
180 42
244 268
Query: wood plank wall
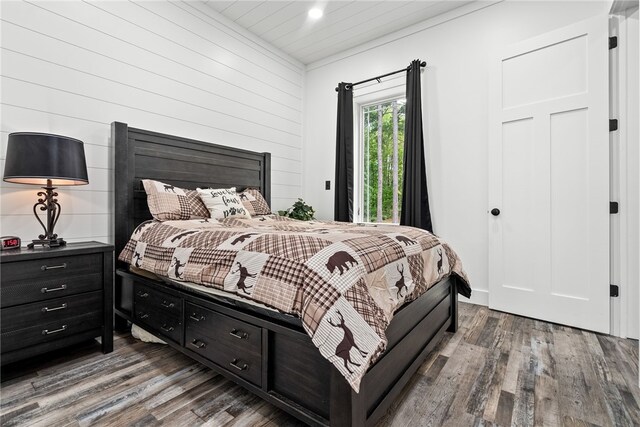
73 67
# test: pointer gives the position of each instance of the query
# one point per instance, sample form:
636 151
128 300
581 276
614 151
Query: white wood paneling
345 24
72 68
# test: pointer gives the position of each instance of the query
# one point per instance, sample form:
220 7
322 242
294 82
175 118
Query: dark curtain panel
343 202
415 197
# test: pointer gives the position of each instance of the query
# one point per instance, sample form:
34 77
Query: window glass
382 148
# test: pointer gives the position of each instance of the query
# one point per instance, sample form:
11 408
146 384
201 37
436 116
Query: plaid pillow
223 203
254 202
167 202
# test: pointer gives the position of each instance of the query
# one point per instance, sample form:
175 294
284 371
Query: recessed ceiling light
315 13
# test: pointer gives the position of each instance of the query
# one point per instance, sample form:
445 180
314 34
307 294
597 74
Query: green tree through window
383 150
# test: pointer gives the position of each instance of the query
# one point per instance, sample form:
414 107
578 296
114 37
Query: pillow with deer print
223 203
168 202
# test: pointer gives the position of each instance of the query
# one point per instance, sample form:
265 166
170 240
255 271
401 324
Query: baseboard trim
478 296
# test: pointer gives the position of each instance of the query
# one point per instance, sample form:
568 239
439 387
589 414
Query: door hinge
614 291
613 207
613 42
613 125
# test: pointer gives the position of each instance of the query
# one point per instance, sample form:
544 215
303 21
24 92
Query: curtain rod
350 86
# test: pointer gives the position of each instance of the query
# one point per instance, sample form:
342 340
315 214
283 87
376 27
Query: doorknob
495 211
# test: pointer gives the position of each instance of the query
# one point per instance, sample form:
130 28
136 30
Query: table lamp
49 161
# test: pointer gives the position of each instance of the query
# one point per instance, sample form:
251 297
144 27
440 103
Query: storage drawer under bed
158 311
230 343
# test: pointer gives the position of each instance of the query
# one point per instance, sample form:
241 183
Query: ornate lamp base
52 243
47 202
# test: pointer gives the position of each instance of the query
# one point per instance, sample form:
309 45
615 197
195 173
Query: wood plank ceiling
345 24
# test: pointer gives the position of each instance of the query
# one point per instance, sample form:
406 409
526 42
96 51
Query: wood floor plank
477 401
546 411
504 414
497 370
199 393
615 404
619 355
475 328
494 389
581 396
461 371
433 370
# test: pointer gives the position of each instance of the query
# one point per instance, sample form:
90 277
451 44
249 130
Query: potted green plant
300 210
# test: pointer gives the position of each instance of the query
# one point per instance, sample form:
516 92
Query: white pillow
223 203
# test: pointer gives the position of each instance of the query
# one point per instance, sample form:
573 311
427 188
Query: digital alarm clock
10 242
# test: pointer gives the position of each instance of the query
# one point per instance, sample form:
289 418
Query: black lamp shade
34 158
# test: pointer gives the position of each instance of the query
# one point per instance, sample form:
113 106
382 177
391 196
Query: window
382 149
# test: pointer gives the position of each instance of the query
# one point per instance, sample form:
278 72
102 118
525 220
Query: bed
264 350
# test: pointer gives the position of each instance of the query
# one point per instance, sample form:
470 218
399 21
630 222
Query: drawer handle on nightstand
197 319
142 295
166 329
47 309
142 315
239 334
55 331
198 344
167 304
53 267
61 288
239 368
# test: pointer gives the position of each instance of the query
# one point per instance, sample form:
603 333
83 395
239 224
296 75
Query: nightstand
54 297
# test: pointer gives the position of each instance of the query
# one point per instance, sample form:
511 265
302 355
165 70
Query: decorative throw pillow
168 202
223 203
254 202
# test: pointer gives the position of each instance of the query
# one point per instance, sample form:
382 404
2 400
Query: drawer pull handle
234 363
53 267
198 344
142 315
47 309
166 328
167 304
142 294
239 334
55 331
61 288
195 317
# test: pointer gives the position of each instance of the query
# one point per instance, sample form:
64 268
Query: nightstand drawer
231 343
161 301
51 268
50 331
48 311
44 289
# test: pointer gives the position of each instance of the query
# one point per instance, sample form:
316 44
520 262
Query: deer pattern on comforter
343 280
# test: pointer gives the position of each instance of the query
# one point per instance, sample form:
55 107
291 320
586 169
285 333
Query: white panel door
549 167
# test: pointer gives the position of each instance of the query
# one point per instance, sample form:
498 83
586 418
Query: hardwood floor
498 369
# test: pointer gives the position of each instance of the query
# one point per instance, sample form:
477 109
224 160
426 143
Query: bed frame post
123 203
453 327
266 178
346 406
123 192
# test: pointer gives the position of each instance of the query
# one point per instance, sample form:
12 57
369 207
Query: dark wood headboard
142 154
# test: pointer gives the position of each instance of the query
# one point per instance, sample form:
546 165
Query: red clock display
10 242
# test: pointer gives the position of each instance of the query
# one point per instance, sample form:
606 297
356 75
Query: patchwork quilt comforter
343 280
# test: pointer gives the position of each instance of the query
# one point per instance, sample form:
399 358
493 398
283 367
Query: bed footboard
413 333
